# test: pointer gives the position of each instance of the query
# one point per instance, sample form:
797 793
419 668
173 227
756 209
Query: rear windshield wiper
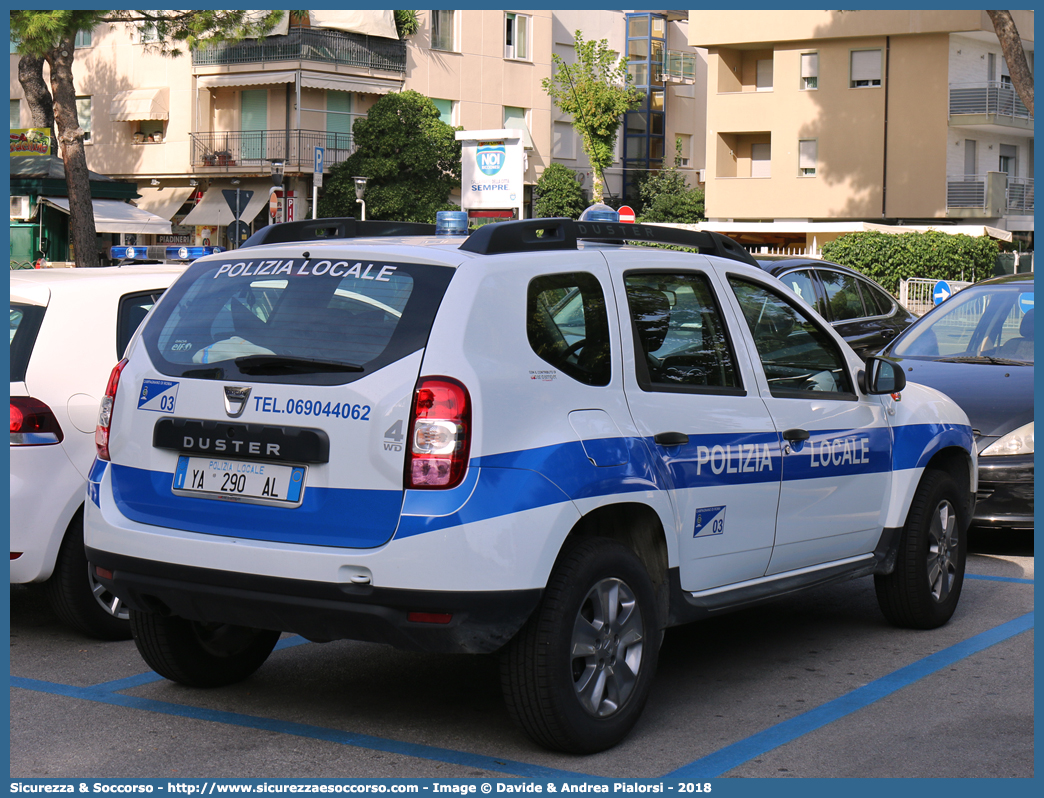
288 364
996 361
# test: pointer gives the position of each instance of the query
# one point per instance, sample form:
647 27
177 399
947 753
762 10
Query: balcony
989 196
1020 196
305 44
991 104
252 150
679 67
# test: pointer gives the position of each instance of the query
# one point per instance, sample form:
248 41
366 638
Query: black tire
77 598
200 654
923 590
555 695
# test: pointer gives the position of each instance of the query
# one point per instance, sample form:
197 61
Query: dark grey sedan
861 311
977 347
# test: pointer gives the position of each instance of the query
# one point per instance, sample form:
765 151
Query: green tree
595 91
49 37
410 157
558 193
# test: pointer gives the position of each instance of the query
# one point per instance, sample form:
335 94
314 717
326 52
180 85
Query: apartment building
895 117
224 117
670 122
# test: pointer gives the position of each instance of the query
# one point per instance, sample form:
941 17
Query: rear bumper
46 491
481 622
1005 495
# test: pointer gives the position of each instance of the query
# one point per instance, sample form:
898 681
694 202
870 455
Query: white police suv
537 440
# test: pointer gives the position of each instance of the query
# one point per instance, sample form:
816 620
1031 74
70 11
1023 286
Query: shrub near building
890 259
558 193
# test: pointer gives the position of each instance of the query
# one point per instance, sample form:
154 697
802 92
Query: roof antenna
601 174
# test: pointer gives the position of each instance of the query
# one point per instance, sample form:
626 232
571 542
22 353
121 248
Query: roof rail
338 227
538 235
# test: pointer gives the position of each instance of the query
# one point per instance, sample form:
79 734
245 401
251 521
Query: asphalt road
814 685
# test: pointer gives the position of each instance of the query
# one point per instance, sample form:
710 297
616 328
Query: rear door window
680 335
877 302
324 322
842 295
567 326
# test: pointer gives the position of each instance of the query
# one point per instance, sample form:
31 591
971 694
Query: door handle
795 435
671 438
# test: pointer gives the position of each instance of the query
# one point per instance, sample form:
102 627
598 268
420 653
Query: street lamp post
360 189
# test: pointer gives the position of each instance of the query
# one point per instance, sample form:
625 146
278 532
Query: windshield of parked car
989 323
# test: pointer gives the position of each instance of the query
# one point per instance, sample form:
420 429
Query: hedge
889 259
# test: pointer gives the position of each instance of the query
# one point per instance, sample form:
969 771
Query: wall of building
729 27
918 110
482 81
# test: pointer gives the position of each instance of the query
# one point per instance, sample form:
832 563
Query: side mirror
883 376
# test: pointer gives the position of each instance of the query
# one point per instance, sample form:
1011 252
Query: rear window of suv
315 321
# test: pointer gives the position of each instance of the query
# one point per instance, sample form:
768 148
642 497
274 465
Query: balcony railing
1020 195
679 66
996 98
238 149
304 44
966 192
974 192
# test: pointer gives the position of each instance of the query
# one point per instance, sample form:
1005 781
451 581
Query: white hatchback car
68 326
537 440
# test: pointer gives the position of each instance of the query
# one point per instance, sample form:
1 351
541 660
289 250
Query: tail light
33 423
439 434
101 432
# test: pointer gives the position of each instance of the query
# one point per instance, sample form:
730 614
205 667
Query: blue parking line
1016 579
732 756
365 741
710 766
151 676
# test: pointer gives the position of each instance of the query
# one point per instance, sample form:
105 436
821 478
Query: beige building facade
184 129
879 116
187 128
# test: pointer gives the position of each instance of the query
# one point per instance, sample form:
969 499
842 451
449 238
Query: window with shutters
764 74
865 69
809 71
808 154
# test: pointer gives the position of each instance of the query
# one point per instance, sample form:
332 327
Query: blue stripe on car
512 482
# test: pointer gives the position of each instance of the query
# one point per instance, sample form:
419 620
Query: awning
372 23
366 85
213 209
138 104
281 27
114 216
163 202
244 79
